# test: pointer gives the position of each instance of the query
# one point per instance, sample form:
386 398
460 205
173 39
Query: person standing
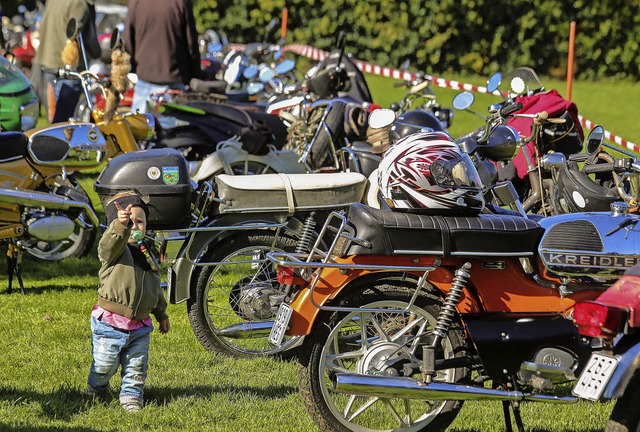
61 96
129 291
161 37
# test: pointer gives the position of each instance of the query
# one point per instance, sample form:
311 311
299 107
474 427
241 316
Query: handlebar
598 168
510 109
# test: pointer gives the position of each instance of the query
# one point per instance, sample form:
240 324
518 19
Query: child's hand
164 326
124 215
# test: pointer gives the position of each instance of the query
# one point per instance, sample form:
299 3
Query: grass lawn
45 354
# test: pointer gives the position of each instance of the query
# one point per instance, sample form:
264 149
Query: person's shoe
131 404
132 407
94 393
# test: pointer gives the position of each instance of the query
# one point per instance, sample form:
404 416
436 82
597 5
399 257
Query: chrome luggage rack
317 260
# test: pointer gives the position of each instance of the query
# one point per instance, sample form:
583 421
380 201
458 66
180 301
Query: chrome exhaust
33 198
247 330
408 388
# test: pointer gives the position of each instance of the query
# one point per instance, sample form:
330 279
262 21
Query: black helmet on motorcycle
412 122
428 172
577 192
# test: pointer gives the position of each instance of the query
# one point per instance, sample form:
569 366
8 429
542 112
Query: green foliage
459 36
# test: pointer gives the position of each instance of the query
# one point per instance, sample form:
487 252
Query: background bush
475 37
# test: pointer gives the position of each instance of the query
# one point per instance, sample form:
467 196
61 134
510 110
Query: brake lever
624 224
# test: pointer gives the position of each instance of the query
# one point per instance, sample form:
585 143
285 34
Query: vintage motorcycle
413 310
43 210
612 371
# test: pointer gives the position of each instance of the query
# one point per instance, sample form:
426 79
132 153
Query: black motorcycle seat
388 232
13 145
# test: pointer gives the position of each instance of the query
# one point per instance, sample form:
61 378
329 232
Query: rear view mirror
72 29
463 101
594 140
494 82
115 39
381 118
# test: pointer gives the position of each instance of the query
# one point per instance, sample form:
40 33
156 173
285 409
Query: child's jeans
126 348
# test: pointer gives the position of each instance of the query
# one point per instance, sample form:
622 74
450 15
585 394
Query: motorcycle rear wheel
78 244
221 296
335 345
625 416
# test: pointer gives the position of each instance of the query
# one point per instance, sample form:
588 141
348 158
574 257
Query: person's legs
107 344
134 362
67 97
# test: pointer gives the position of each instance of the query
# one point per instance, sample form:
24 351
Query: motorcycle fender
183 270
208 167
628 363
333 282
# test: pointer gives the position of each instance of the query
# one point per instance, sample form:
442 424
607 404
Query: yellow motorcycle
43 209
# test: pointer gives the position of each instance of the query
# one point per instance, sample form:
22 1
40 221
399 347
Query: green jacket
126 288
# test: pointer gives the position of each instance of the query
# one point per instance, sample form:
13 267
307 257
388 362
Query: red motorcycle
612 371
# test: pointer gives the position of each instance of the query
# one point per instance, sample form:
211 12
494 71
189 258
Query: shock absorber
444 320
307 237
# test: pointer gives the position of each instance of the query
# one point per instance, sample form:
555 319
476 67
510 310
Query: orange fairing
333 281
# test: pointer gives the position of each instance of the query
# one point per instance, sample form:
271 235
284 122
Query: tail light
288 276
598 320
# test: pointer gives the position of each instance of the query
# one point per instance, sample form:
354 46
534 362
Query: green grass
45 350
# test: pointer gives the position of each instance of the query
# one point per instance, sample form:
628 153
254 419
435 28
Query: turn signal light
287 276
598 320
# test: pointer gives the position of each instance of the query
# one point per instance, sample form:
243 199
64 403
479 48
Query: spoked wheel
239 293
78 244
376 343
249 167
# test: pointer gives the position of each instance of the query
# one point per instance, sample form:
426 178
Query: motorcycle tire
321 146
231 294
335 345
79 244
625 416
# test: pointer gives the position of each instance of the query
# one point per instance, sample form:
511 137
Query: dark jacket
126 288
162 39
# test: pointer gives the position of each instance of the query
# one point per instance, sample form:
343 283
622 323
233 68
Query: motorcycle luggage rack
286 259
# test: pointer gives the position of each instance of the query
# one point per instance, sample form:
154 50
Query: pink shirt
119 321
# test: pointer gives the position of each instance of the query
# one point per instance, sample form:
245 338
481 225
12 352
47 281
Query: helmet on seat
427 172
412 122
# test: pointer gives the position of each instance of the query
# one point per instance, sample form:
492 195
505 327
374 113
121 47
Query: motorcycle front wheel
78 244
239 291
376 343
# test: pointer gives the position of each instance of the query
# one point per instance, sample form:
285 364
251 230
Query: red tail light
287 276
598 320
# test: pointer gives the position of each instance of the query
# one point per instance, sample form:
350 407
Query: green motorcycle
19 108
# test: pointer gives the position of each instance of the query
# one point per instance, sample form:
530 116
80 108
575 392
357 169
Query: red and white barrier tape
319 55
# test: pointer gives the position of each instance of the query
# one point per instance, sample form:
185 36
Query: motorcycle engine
549 366
49 227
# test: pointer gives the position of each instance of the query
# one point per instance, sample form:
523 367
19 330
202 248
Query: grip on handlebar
597 168
509 109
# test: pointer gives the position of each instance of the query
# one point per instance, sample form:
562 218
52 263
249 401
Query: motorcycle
43 210
612 370
19 108
407 314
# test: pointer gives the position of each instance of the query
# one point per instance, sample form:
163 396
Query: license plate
280 324
595 377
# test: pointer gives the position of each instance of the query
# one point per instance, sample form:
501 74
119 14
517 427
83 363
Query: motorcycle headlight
29 114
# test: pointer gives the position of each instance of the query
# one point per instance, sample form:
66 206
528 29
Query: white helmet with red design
428 172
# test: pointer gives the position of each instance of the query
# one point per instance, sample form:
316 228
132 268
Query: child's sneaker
94 393
131 404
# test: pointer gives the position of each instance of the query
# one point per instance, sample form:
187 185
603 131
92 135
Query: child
129 291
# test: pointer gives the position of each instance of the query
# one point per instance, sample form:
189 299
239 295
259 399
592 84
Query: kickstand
515 407
14 259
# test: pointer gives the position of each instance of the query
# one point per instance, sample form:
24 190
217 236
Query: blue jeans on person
143 90
113 348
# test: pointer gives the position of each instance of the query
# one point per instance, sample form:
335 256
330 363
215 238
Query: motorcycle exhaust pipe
43 199
247 330
407 388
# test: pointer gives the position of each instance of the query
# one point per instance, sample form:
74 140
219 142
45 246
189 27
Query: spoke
264 170
377 326
415 342
360 410
402 332
395 413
